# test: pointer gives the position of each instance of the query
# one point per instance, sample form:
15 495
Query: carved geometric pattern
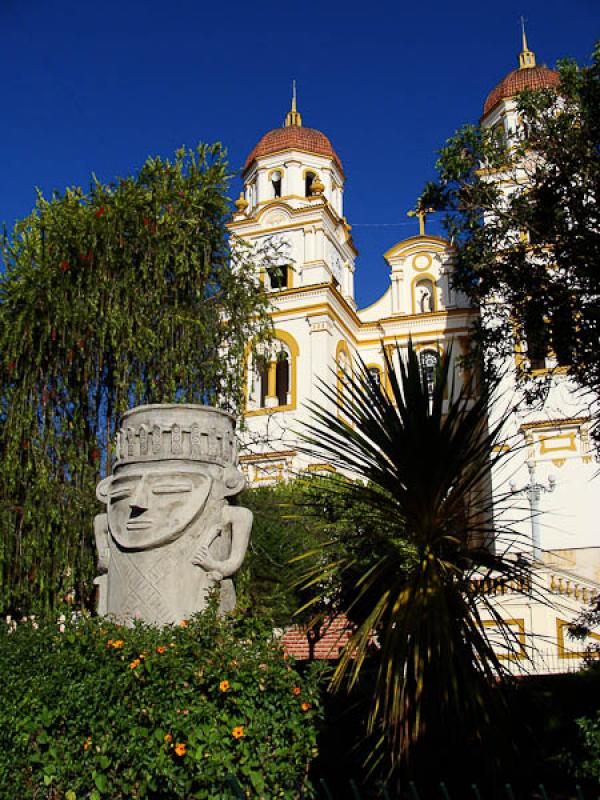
176 443
143 434
196 442
130 441
156 439
140 586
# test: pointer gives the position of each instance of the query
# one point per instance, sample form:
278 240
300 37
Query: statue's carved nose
139 501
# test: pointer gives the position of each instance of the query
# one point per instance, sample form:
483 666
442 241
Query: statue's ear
233 481
102 489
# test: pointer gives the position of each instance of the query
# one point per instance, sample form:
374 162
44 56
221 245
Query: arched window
252 194
430 361
282 377
276 178
309 177
272 376
536 333
424 298
278 277
277 255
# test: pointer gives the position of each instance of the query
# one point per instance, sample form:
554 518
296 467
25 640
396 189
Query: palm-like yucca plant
424 453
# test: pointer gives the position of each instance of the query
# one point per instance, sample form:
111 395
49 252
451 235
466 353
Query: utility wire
382 224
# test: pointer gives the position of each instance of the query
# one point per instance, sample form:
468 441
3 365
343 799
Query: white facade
319 331
318 327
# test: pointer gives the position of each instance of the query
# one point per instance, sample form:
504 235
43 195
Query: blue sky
96 87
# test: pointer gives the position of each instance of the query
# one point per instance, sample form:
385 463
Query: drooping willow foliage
121 295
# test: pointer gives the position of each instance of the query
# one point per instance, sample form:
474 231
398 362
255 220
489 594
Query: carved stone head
170 460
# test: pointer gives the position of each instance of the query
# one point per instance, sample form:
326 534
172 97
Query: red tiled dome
518 80
296 138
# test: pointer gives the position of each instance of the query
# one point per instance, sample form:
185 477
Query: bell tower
293 199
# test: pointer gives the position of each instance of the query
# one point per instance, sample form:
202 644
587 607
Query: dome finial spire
526 56
293 117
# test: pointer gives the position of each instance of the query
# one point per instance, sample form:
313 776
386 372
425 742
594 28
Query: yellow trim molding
563 626
427 265
250 458
434 243
547 448
520 635
277 477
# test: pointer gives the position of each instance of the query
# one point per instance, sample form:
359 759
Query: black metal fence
440 792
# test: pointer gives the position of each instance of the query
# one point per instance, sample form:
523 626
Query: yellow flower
87 743
238 732
168 738
135 663
224 686
184 623
118 644
180 749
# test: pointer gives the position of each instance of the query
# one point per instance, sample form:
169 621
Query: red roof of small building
293 137
334 634
519 79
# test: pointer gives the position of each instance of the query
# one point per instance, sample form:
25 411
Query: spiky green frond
422 455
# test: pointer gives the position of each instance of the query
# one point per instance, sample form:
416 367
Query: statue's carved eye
119 493
172 488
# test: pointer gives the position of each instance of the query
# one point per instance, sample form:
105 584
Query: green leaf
100 780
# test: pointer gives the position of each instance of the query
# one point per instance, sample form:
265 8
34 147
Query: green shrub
590 730
102 711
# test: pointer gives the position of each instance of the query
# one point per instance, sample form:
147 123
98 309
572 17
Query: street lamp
533 492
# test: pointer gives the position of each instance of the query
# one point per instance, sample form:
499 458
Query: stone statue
169 534
425 297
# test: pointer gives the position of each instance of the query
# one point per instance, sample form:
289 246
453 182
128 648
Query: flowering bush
101 711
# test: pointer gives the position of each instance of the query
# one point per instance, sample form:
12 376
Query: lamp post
533 491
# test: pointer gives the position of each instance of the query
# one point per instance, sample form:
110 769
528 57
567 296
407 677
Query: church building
292 207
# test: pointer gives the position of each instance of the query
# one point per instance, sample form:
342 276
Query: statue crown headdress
177 431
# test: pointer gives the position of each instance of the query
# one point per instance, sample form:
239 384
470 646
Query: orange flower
184 623
168 738
305 706
118 644
224 686
109 643
87 743
238 732
296 690
135 663
180 749
161 649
